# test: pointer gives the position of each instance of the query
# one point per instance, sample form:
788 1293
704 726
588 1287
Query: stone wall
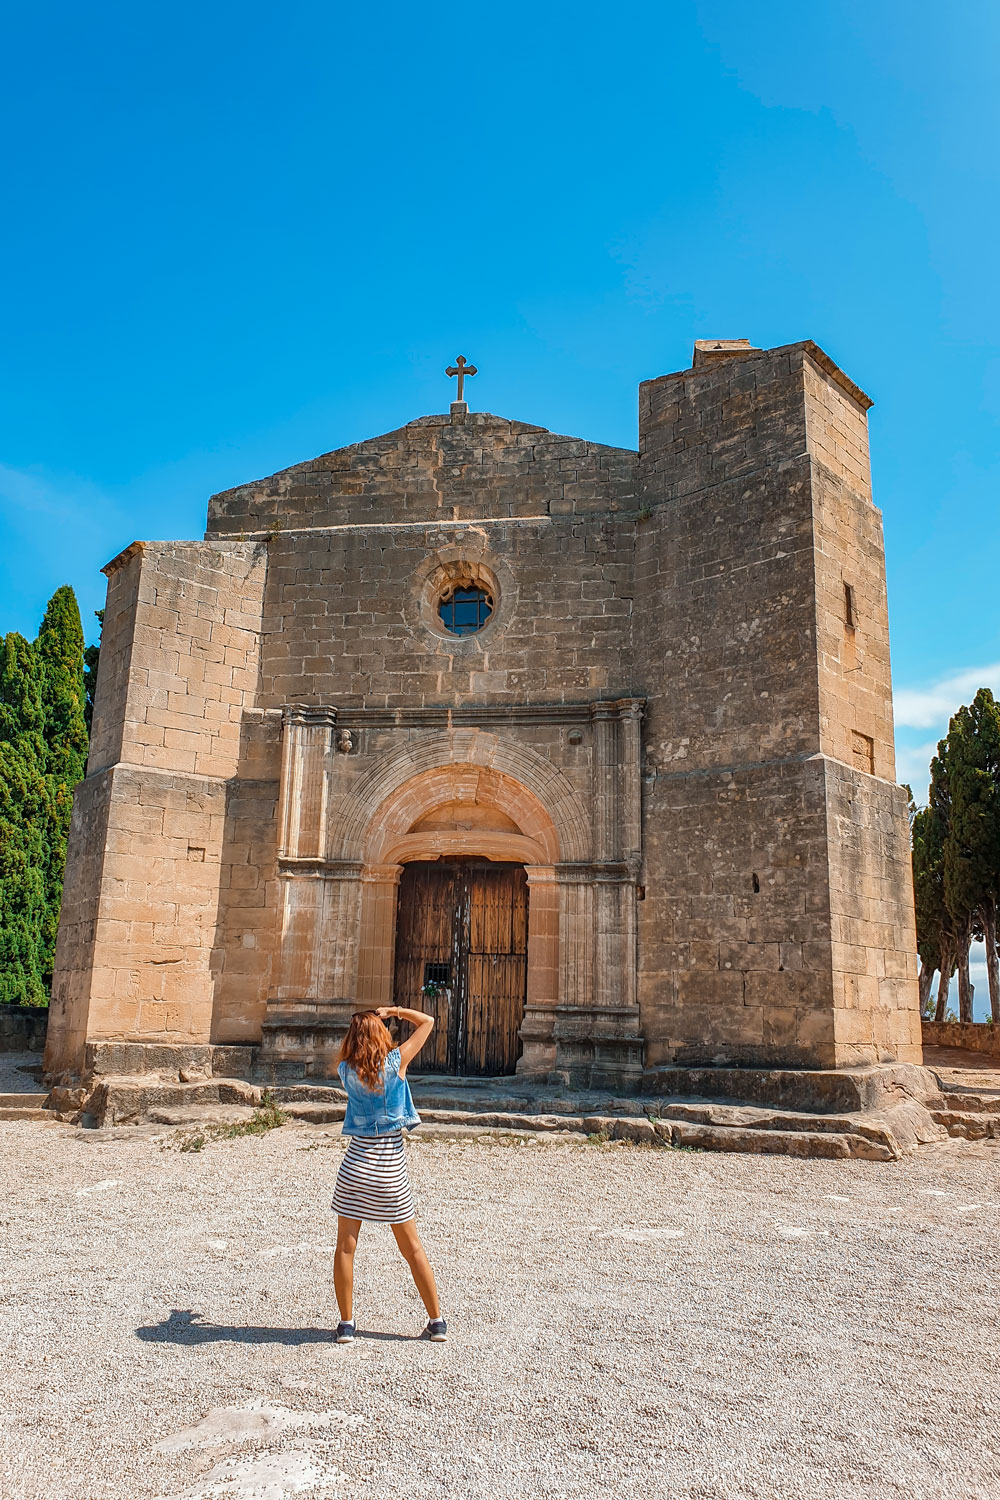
246 932
876 1016
852 619
145 857
22 1028
457 467
734 931
346 615
975 1036
785 930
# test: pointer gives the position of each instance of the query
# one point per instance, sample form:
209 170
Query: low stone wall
975 1036
22 1028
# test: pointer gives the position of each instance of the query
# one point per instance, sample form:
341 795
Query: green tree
91 663
972 845
43 748
937 939
928 900
25 810
962 916
59 653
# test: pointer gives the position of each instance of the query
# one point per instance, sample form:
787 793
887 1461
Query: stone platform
878 1113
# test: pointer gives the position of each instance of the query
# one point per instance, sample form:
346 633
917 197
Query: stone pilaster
376 960
539 1051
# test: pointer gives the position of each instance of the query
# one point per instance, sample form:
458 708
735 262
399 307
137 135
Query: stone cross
461 369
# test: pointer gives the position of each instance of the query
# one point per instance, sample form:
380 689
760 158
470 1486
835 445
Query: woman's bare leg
343 1265
415 1256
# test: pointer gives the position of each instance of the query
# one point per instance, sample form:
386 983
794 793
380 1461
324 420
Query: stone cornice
467 715
320 869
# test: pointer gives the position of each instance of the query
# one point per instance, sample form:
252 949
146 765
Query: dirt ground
623 1321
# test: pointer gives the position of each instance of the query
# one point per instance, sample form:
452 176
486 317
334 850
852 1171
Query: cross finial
461 369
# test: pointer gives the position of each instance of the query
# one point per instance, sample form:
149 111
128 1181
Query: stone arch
392 824
541 793
472 767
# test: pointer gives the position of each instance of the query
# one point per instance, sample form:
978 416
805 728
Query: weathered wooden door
463 925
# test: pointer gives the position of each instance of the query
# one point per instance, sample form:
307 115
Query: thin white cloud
54 529
26 494
913 764
926 708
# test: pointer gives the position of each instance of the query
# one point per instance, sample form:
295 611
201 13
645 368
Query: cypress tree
962 915
60 658
972 846
91 662
59 651
937 937
25 809
928 900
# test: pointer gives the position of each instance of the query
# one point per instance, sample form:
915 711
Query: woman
373 1184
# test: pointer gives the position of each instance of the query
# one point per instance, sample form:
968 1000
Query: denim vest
382 1111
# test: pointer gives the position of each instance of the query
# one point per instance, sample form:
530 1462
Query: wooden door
426 930
464 924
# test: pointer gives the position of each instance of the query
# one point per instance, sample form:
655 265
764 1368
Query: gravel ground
624 1322
13 1079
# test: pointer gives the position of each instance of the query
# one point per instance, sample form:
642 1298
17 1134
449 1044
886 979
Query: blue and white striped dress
373 1182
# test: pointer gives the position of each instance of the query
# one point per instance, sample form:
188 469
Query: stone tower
591 747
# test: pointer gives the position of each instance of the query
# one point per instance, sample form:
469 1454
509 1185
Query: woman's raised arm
418 1018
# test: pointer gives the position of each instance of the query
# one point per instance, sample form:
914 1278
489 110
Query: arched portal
477 913
366 793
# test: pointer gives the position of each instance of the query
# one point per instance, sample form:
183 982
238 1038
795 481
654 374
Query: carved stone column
576 935
305 748
596 1029
377 954
539 1052
317 957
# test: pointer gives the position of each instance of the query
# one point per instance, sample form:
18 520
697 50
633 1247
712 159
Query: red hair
367 1044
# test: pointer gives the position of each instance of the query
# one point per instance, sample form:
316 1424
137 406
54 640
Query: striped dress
373 1182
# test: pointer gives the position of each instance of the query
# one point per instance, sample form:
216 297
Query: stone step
314 1114
129 1101
726 1128
969 1124
202 1114
968 1103
24 1106
711 1124
812 1143
712 1127
309 1093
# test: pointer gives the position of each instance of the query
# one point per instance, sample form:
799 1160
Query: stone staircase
698 1125
840 1115
973 1116
32 1106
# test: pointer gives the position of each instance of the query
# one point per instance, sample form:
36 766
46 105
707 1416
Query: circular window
464 608
459 599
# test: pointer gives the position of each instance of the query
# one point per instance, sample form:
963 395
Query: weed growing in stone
267 1117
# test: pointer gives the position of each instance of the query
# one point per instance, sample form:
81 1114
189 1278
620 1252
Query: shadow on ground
186 1327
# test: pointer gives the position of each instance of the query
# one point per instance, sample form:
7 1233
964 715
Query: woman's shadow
186 1327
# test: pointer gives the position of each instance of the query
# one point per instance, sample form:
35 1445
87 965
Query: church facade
588 750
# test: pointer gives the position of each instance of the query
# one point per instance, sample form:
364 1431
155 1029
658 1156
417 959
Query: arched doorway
462 954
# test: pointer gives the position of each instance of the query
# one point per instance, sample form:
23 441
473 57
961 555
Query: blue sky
240 235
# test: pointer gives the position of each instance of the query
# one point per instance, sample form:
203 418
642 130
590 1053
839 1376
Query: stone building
590 748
